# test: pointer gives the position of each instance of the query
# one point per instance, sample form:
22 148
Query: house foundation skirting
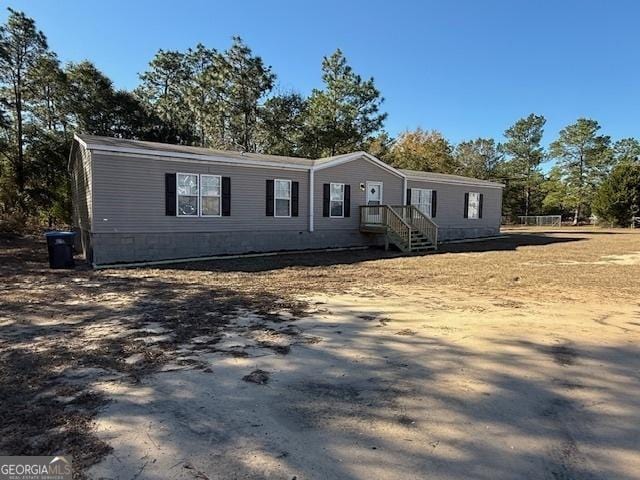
112 248
463 233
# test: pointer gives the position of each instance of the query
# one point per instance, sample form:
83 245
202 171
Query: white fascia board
357 156
193 158
79 140
469 183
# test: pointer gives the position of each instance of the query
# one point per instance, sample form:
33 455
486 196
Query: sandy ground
510 359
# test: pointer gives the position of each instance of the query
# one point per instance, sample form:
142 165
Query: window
282 198
421 198
210 195
336 199
187 194
473 208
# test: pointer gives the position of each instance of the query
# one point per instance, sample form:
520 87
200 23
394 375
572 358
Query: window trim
430 204
276 198
331 184
219 197
197 175
477 212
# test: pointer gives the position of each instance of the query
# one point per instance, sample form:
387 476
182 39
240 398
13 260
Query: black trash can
60 246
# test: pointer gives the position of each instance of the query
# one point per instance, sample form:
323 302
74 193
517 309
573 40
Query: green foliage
162 90
626 150
220 99
207 98
95 107
281 125
21 47
248 81
584 158
617 199
345 114
428 151
479 158
380 147
47 188
556 195
42 104
46 92
203 92
524 155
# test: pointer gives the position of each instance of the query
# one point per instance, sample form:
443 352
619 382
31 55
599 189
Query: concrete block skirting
111 248
458 233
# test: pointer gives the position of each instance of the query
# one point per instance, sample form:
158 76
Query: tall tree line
584 160
201 96
228 99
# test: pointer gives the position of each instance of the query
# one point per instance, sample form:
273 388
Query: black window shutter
295 188
226 196
434 203
480 205
170 194
347 200
408 196
326 195
269 199
466 205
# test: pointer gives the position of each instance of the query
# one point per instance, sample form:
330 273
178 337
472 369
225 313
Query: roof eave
470 182
190 156
355 156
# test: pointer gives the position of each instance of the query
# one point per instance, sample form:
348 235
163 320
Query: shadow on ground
365 402
510 242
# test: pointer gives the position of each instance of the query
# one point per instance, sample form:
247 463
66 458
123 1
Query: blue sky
467 68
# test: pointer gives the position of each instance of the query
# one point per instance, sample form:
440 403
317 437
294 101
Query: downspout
404 191
311 191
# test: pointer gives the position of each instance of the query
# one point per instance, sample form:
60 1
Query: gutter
311 192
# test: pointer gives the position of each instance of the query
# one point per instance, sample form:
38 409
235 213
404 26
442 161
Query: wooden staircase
404 226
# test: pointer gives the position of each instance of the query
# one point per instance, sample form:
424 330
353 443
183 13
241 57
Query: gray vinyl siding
354 173
81 188
129 196
450 208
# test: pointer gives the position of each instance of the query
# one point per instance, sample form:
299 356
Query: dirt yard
506 359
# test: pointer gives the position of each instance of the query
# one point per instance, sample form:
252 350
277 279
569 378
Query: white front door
374 197
374 193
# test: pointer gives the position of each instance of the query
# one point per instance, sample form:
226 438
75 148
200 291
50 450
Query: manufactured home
138 201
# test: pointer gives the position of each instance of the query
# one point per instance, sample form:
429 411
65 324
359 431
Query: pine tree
525 154
280 124
205 95
617 200
345 115
584 158
163 89
626 150
249 80
479 158
47 92
21 46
